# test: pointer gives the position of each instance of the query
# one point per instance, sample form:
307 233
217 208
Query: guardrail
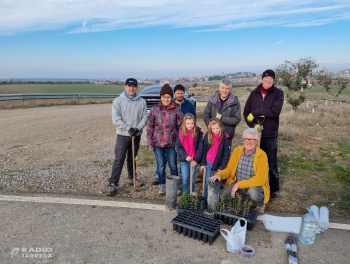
24 97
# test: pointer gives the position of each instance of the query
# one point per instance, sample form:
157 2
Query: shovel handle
190 179
204 179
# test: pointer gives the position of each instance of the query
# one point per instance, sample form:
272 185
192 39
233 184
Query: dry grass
313 152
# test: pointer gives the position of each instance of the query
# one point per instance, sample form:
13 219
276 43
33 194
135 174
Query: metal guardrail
23 97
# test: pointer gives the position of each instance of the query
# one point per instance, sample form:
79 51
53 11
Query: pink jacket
188 143
213 149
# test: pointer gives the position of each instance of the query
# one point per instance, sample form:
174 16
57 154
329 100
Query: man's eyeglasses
249 140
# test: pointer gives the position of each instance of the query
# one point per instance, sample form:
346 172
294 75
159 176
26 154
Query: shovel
191 180
133 164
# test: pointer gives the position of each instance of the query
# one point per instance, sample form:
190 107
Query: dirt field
66 149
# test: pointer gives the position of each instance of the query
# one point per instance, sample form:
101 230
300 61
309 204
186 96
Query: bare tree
295 76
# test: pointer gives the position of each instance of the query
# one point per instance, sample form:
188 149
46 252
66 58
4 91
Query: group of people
173 136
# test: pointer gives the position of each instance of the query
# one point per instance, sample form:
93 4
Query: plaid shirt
245 168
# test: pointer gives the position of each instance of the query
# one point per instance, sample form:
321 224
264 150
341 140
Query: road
74 233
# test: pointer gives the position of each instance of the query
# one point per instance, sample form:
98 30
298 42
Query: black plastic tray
230 218
197 226
191 208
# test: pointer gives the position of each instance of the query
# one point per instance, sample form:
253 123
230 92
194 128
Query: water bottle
308 227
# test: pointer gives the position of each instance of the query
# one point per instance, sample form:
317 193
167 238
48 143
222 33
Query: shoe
273 196
131 182
161 189
261 210
155 181
112 189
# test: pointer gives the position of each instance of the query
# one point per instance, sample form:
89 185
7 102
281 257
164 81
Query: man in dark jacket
185 105
224 106
263 107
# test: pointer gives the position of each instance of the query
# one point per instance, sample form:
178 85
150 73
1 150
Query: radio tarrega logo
14 252
31 253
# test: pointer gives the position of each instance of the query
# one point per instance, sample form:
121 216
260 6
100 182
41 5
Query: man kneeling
247 171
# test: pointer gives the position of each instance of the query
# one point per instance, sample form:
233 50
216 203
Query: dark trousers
269 145
123 145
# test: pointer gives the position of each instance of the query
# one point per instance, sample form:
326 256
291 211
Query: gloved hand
250 117
218 115
132 132
258 128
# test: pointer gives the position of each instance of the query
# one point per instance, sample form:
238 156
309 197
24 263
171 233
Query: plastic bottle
308 227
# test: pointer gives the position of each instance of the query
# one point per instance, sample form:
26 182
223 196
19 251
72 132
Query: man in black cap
129 114
263 108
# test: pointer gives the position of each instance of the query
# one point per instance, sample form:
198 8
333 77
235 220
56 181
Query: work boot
131 182
161 189
261 210
155 181
112 189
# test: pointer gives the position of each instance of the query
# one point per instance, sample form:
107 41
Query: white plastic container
324 218
250 250
307 232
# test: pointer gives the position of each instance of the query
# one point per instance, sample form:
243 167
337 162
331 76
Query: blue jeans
186 177
162 156
207 176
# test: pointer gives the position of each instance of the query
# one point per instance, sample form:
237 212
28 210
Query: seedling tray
231 218
191 208
197 226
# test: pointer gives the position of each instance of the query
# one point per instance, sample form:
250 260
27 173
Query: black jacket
270 107
198 146
222 156
231 112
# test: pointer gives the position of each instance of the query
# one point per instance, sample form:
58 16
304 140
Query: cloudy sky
140 38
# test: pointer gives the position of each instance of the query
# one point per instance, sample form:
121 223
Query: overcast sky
161 38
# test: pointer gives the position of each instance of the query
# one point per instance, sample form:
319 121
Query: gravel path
64 149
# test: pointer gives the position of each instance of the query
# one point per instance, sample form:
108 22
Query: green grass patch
341 173
62 88
107 163
145 157
344 149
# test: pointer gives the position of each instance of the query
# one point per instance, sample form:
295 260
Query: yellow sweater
261 169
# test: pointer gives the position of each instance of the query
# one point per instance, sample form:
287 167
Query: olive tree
326 81
295 76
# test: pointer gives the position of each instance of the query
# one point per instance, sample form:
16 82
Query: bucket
172 185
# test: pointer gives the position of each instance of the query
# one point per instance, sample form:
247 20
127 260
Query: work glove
258 128
132 132
250 117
